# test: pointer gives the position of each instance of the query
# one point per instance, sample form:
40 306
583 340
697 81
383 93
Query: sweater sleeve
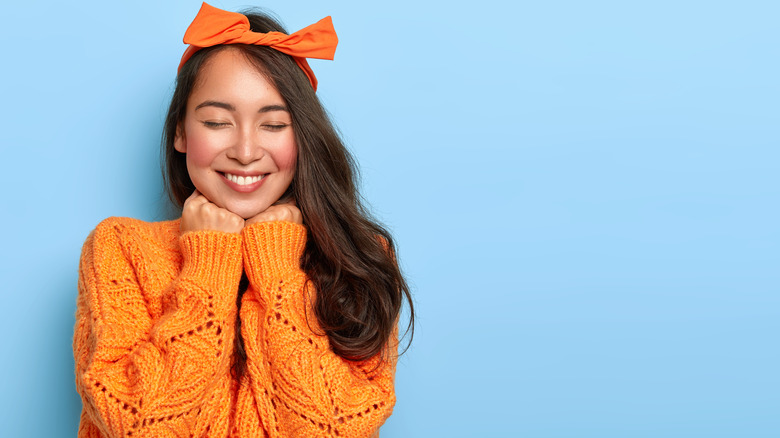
300 385
138 375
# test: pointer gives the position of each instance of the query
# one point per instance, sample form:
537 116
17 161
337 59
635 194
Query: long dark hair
349 257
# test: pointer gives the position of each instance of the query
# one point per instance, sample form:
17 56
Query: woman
270 307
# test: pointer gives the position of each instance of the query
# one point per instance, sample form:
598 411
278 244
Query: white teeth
243 181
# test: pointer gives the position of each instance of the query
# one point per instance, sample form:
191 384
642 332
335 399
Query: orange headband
213 26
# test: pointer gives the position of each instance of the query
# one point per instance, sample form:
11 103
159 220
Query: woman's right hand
201 214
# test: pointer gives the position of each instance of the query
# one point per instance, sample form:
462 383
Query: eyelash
214 124
221 124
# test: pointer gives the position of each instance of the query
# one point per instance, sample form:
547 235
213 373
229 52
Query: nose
247 147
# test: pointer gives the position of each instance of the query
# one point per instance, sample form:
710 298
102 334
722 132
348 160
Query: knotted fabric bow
213 26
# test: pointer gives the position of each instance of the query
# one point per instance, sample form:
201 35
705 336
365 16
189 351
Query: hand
288 212
201 214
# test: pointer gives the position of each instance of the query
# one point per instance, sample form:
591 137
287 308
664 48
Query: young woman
270 307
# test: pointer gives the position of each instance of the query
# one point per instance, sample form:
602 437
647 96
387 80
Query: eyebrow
229 107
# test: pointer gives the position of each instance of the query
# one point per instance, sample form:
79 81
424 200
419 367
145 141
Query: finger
297 216
291 209
286 212
285 203
194 195
196 199
191 197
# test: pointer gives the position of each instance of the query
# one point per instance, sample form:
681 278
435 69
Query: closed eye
214 124
275 127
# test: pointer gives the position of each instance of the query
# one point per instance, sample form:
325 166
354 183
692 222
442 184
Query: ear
180 141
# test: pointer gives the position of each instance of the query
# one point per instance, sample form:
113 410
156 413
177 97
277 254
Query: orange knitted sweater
154 333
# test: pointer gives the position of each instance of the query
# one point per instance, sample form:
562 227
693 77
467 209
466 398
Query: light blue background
585 196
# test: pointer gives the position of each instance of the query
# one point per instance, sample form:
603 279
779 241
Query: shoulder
128 234
125 228
121 248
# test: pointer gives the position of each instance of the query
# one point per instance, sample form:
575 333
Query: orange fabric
154 333
213 26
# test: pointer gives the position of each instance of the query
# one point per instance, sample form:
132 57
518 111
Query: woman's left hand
282 212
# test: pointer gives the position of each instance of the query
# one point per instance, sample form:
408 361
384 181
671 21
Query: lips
244 180
246 183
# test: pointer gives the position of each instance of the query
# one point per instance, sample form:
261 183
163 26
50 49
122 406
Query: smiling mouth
243 180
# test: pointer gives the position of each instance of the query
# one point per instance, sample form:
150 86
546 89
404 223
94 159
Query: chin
246 211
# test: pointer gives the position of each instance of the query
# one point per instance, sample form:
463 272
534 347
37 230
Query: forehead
229 74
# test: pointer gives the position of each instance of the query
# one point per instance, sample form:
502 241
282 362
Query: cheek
199 153
285 157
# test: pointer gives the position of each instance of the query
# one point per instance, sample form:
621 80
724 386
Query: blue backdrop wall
585 195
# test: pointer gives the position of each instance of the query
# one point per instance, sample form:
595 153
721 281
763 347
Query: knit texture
155 326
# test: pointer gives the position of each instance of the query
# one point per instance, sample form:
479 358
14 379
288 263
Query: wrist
211 258
272 249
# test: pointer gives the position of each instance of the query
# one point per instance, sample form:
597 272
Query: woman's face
238 136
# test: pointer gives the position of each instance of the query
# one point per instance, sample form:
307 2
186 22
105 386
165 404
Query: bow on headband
213 26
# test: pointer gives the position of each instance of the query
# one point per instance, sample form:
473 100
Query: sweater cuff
272 249
211 258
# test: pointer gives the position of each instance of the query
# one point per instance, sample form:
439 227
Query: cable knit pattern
154 333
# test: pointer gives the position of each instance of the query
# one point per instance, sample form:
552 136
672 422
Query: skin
201 214
244 138
236 122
